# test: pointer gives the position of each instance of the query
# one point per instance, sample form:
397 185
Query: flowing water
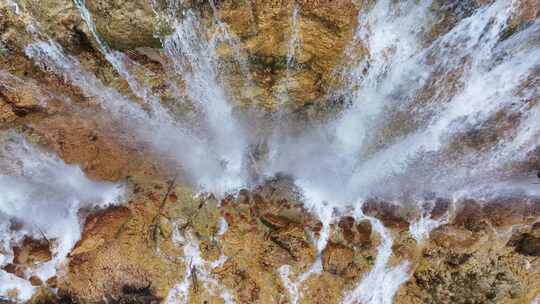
43 195
123 65
196 60
382 282
364 149
413 100
196 269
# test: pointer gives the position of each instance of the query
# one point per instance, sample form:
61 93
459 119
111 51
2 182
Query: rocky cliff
170 242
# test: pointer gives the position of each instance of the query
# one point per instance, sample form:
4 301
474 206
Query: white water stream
381 284
123 65
44 195
197 269
413 100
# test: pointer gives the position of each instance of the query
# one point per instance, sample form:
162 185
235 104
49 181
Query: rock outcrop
259 244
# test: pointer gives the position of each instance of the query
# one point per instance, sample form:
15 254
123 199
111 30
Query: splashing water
123 65
413 101
370 151
44 194
381 284
424 83
421 228
196 269
197 157
196 60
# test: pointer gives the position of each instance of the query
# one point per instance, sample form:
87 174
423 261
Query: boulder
295 241
125 25
337 258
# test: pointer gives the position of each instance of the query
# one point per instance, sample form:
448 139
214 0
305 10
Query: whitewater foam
197 269
381 284
44 194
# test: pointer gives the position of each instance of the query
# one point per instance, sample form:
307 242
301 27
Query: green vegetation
3 49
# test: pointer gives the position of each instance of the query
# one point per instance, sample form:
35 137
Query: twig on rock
156 222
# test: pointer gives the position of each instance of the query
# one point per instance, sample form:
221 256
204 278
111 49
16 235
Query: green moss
3 49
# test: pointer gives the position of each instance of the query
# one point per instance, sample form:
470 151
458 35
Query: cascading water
382 282
400 60
44 194
122 64
196 61
294 40
411 99
165 135
401 67
196 268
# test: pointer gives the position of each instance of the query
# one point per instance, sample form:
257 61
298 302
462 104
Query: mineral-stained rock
35 281
43 295
391 215
28 254
486 253
61 20
468 261
32 252
337 258
125 24
294 240
205 220
52 282
264 29
116 257
355 233
100 228
527 243
17 270
100 148
19 98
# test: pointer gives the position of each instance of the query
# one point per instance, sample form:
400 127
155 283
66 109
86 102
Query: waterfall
122 64
382 282
415 105
44 194
294 40
491 81
470 75
196 60
196 157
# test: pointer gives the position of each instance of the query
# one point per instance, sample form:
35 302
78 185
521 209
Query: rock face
258 244
117 258
128 253
266 30
125 25
28 254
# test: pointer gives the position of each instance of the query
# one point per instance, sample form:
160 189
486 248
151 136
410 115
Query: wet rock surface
124 257
487 252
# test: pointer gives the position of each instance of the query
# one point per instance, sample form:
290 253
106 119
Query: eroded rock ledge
485 253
